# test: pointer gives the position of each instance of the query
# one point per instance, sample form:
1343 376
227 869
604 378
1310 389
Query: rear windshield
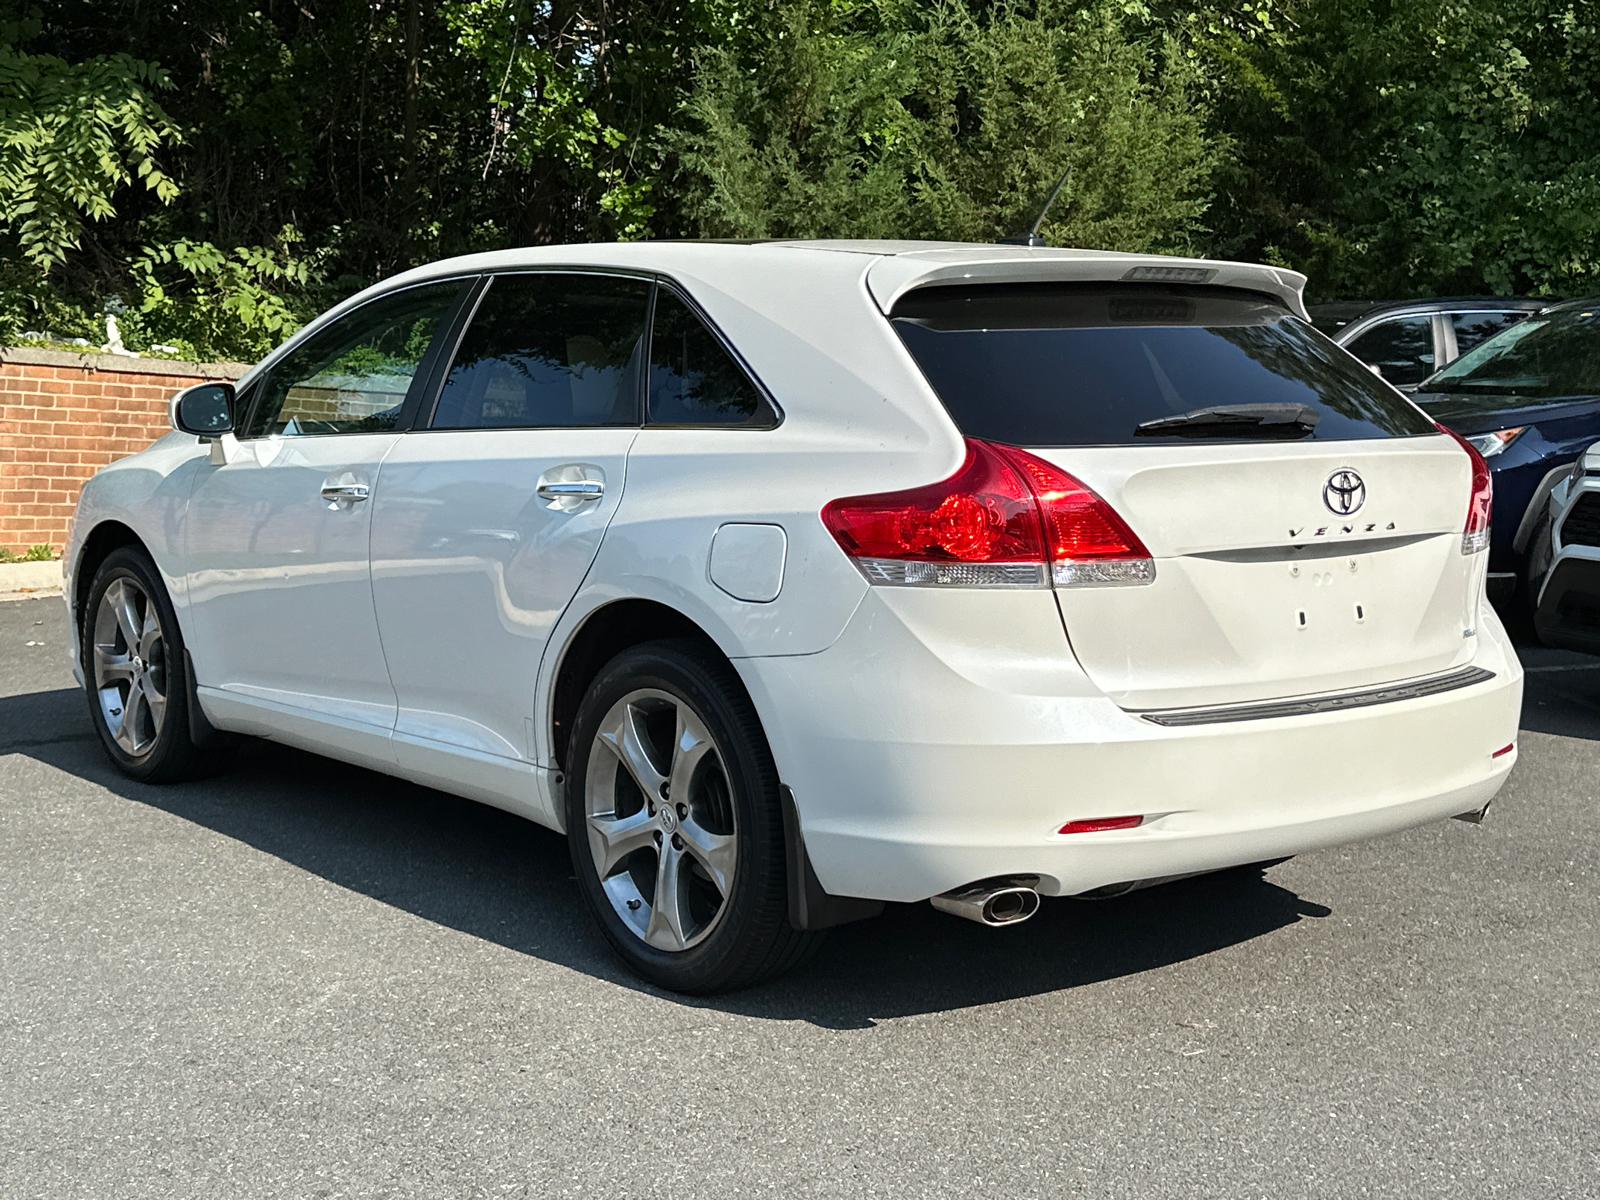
1546 357
1089 364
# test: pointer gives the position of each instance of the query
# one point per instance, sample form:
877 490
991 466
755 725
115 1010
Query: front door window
353 376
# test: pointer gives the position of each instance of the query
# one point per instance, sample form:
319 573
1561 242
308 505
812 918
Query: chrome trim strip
1311 705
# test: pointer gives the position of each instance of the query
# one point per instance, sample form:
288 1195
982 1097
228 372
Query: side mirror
205 410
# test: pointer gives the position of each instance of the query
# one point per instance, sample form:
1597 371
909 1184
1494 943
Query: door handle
572 489
352 493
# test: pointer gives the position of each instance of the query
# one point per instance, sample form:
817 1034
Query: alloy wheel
661 824
130 666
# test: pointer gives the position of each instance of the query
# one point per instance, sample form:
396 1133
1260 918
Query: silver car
1564 563
1408 340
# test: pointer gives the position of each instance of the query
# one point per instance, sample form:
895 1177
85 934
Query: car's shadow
1561 689
1563 699
497 877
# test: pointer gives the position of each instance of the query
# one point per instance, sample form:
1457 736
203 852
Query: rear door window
549 350
1090 364
1402 349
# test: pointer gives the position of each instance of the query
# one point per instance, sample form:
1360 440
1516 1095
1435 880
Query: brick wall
63 417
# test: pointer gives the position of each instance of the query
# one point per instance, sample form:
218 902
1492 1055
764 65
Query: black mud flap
1568 615
202 732
809 906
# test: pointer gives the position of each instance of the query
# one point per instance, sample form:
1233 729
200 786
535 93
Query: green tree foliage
1434 146
287 152
207 303
947 122
385 132
71 134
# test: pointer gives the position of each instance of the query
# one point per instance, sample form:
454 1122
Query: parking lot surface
304 979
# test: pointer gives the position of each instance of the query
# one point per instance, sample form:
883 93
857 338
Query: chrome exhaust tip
993 902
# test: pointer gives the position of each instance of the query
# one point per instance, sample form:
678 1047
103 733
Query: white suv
793 578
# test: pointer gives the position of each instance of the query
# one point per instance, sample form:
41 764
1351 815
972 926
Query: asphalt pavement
300 979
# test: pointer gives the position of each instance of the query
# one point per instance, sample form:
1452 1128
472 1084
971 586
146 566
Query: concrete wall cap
121 364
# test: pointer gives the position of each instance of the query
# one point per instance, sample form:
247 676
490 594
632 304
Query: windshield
1111 364
1550 355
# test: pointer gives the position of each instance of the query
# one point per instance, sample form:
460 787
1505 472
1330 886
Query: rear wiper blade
1280 420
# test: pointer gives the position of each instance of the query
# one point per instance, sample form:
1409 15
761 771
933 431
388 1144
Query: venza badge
1344 492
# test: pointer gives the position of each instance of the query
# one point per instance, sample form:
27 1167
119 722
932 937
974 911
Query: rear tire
135 673
675 825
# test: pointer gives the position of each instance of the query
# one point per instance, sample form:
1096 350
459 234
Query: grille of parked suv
1582 525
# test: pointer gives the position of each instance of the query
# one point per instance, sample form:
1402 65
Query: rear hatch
1305 519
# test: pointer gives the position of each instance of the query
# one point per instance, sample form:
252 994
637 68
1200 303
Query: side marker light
1101 824
1504 750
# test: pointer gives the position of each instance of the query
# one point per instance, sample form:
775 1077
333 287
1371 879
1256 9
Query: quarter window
549 350
693 378
353 376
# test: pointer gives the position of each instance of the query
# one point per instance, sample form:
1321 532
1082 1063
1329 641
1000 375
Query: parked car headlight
1490 444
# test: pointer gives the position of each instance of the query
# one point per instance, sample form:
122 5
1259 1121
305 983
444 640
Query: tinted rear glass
1087 364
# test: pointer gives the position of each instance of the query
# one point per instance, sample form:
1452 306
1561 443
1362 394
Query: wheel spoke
627 741
612 839
689 746
133 711
665 930
155 702
120 597
713 851
150 631
109 666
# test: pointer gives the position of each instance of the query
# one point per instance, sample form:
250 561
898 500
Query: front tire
135 673
674 822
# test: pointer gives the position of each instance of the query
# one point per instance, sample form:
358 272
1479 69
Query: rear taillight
1005 519
1087 542
1475 534
979 528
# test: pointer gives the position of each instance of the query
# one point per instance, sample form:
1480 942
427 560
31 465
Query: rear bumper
916 770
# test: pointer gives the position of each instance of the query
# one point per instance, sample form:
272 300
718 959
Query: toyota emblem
1344 492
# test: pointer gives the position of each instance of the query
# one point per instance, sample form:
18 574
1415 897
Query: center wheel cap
669 817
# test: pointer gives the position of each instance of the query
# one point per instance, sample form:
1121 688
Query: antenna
1032 238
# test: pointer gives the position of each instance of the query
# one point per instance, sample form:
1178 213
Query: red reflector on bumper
1504 750
1101 824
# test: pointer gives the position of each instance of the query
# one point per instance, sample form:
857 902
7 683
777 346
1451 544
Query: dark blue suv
1529 400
